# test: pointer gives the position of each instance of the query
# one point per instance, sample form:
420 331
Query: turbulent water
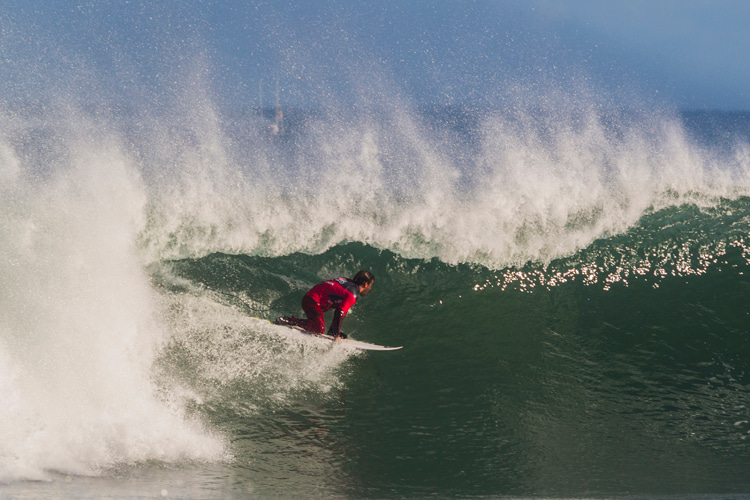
571 287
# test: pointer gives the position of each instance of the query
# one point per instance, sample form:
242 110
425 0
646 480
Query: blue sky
695 51
686 53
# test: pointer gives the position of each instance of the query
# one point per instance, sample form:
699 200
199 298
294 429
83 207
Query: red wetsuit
338 293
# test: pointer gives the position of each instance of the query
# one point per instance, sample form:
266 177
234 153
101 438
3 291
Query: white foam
78 325
221 355
537 186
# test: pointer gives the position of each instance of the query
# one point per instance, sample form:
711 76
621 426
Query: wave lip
497 189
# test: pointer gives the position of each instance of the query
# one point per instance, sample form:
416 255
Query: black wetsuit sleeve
335 328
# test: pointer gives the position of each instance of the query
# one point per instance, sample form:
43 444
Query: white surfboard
357 344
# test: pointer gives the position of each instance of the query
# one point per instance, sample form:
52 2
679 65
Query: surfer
339 294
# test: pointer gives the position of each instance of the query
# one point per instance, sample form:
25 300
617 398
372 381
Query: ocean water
571 286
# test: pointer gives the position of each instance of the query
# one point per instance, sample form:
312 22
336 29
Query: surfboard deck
357 344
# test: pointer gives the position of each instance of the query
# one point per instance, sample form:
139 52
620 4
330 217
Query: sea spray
78 326
502 188
218 355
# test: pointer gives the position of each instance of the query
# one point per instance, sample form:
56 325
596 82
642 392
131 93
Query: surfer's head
364 279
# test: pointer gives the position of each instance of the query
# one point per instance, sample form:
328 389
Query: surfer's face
365 289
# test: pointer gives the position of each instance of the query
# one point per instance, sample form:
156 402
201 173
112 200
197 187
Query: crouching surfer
339 294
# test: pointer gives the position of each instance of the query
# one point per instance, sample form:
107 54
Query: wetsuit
338 293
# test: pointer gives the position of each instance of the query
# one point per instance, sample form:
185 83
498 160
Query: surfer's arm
344 303
338 317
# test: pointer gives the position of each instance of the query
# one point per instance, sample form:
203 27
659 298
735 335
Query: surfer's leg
315 321
294 321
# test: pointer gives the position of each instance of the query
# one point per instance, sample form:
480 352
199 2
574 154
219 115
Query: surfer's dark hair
363 277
